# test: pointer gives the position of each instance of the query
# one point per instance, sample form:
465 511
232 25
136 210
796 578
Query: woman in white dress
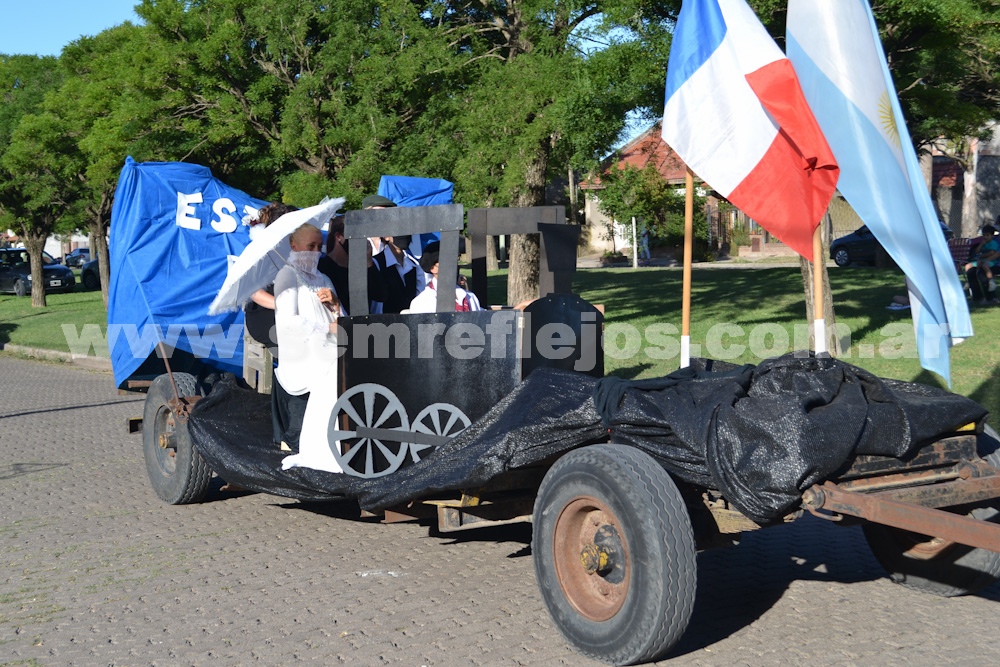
305 316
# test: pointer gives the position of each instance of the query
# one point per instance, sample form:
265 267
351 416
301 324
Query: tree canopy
304 98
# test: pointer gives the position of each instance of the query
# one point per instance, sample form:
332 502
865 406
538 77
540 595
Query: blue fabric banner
416 191
173 227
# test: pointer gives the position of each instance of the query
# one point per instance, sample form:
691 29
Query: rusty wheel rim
591 558
164 433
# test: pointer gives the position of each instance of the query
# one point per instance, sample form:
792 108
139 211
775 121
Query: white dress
307 351
307 362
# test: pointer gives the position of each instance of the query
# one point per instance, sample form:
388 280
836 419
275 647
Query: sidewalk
91 363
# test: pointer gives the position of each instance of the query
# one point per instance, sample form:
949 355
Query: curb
92 363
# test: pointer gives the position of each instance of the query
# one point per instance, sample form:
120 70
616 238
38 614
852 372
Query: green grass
773 297
20 324
649 299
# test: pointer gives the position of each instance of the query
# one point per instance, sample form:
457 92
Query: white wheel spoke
392 458
353 414
435 416
388 412
352 452
415 450
369 406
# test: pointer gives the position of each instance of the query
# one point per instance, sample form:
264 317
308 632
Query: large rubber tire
956 570
177 473
842 257
621 501
91 281
20 288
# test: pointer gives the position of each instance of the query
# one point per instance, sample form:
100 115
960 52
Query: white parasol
263 257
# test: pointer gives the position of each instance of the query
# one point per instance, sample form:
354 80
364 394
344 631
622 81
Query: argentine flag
839 60
735 113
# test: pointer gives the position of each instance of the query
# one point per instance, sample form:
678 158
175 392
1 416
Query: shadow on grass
988 395
759 294
630 372
5 332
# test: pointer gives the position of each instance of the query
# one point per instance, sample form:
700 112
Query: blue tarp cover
173 226
415 191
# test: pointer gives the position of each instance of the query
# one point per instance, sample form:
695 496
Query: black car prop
623 481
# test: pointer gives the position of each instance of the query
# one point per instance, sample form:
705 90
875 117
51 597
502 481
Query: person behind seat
980 273
334 265
306 323
404 279
426 301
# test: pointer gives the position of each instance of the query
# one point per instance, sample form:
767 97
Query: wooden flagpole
819 316
686 289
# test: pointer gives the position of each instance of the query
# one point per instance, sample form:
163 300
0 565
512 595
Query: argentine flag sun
839 60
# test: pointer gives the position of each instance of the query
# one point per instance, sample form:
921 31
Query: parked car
90 275
77 257
15 273
861 246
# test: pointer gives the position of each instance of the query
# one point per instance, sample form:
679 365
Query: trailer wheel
930 565
175 468
614 554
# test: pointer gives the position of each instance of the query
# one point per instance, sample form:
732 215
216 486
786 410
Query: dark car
90 275
77 257
861 246
15 273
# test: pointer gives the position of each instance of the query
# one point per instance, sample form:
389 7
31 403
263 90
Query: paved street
95 570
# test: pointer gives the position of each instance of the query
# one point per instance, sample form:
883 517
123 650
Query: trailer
615 532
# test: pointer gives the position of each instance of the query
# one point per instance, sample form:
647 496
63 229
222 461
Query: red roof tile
647 148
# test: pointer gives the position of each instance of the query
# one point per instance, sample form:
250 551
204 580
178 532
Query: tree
330 95
301 97
34 188
644 193
543 98
110 112
945 61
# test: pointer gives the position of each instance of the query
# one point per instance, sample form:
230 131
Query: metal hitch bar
880 507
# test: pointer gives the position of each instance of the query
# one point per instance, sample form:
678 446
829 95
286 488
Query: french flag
735 113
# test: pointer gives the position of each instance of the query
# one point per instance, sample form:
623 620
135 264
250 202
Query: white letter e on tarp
185 212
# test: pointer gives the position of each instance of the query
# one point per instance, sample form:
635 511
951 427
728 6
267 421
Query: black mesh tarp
759 435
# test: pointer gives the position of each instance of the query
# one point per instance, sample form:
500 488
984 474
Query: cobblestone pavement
97 571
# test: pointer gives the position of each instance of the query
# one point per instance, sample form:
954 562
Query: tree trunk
970 202
98 229
522 277
832 340
492 263
34 242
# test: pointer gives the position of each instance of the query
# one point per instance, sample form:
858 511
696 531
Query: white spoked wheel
374 443
439 419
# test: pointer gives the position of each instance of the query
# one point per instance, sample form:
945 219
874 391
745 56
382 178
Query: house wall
599 233
956 196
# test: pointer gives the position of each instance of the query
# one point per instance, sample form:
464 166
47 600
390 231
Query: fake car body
615 533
